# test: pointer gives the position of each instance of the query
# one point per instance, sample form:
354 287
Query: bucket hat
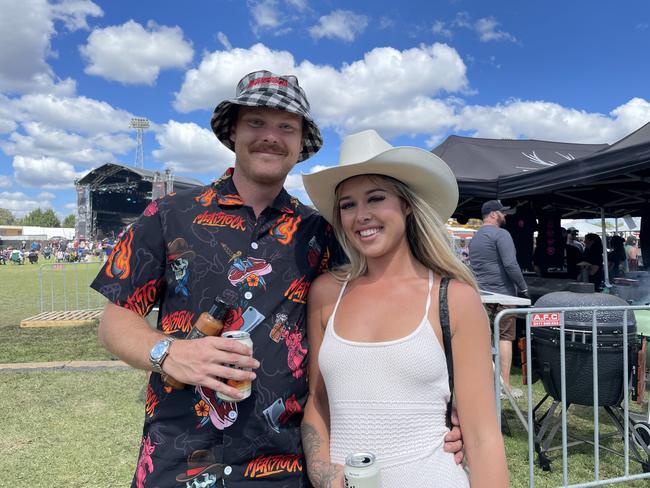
266 89
367 153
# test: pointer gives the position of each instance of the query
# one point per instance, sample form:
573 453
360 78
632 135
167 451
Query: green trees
41 218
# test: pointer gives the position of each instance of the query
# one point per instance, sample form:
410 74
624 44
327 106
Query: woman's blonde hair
428 239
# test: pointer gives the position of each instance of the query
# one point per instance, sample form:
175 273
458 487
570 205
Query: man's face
267 144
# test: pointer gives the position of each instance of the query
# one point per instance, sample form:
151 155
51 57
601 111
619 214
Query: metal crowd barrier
527 421
66 286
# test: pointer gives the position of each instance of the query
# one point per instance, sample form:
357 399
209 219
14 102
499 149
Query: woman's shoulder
462 296
323 288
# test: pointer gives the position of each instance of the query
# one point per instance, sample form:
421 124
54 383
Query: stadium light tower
139 124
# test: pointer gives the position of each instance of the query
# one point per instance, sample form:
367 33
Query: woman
378 376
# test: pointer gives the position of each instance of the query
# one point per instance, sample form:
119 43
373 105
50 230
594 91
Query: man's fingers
454 417
223 371
223 388
458 457
453 446
453 435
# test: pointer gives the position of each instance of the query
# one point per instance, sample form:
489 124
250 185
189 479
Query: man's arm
197 362
508 255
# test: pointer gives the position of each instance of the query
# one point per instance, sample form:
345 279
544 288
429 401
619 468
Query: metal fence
66 286
635 437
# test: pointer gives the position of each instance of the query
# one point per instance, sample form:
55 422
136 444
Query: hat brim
222 122
212 469
422 171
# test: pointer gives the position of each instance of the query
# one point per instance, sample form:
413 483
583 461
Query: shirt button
227 470
248 295
254 245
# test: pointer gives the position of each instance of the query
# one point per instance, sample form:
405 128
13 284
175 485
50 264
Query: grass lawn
82 429
20 292
70 429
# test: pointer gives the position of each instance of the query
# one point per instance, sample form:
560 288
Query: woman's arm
315 423
474 388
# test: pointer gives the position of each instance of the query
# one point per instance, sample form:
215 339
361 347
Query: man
493 259
245 240
573 252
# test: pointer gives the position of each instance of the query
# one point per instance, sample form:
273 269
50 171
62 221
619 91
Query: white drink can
244 387
361 471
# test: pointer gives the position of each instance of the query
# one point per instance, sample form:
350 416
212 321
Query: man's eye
255 122
288 128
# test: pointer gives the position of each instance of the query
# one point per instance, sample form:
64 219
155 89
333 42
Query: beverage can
361 471
244 387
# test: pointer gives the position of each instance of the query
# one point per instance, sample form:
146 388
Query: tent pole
604 238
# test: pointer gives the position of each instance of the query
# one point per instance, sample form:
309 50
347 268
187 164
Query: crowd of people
56 250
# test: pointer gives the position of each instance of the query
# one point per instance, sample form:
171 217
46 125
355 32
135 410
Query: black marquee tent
576 180
554 179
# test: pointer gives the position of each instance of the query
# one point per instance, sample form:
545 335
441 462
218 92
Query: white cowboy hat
367 153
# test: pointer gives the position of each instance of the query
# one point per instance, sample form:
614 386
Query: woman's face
373 217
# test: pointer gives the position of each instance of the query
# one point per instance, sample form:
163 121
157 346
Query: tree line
36 218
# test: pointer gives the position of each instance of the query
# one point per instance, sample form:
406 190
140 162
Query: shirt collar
228 196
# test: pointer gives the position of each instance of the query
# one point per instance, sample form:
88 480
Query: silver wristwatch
159 353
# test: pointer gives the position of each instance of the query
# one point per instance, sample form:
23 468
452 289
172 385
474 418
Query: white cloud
26 29
186 147
340 24
486 28
5 181
223 39
266 14
46 195
20 204
44 172
217 75
549 121
299 5
74 13
131 54
439 28
81 114
40 140
388 89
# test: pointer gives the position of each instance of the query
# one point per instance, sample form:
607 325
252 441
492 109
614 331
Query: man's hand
207 361
454 439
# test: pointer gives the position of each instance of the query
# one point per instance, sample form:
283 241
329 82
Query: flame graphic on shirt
285 228
207 197
118 265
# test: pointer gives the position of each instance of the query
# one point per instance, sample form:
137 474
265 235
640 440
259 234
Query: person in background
632 253
616 258
463 251
388 206
573 252
594 256
493 259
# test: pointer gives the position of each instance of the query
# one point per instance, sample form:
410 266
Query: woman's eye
345 206
376 198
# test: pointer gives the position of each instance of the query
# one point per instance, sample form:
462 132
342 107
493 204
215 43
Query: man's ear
233 134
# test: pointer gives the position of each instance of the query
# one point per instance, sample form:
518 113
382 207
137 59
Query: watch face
159 350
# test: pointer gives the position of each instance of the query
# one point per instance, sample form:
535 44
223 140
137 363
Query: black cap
495 206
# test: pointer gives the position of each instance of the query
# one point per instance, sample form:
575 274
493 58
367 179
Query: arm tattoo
321 473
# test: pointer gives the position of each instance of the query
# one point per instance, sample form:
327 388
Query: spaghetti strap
338 300
426 313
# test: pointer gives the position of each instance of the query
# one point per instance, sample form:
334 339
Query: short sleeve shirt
185 250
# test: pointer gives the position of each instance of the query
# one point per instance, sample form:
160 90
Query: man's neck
256 196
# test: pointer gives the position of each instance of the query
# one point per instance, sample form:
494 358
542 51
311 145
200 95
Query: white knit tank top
390 398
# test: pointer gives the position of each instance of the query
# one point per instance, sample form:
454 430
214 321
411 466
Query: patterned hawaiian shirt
185 250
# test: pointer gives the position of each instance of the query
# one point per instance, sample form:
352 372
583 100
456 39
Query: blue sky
74 72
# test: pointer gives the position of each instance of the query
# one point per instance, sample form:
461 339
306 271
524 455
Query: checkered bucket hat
265 89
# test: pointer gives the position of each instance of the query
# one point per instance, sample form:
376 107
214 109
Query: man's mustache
269 147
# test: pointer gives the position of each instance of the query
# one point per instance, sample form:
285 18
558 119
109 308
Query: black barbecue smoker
612 384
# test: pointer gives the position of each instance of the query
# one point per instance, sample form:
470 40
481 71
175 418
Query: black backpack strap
443 308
